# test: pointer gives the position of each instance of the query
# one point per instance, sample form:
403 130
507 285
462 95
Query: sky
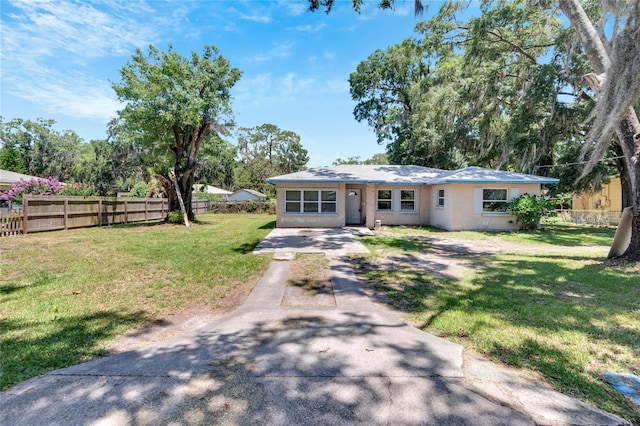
59 59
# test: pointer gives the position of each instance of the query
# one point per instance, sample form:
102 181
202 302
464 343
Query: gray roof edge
541 180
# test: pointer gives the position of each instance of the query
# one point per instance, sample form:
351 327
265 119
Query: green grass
551 232
571 318
65 295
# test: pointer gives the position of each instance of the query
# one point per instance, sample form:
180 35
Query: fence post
25 216
126 218
100 211
66 213
146 209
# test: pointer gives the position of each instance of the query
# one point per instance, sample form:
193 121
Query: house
465 199
209 189
246 195
7 179
608 198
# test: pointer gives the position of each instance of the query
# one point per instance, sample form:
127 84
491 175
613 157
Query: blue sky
59 58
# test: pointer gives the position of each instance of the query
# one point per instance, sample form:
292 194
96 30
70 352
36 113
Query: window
292 202
407 200
328 202
384 199
310 201
494 200
440 200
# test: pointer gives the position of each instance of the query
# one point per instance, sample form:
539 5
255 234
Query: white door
353 207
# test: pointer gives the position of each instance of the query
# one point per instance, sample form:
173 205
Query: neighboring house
609 198
246 195
465 199
209 189
8 178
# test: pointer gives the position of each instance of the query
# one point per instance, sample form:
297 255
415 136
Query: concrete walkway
265 364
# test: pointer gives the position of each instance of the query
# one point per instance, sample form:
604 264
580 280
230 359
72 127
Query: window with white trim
407 200
440 199
310 201
494 200
385 199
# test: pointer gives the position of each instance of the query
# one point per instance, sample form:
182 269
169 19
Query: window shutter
477 200
515 193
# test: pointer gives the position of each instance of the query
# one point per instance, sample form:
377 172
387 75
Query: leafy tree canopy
265 151
174 104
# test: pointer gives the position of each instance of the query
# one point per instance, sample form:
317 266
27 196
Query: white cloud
310 28
256 18
278 51
50 47
74 95
295 8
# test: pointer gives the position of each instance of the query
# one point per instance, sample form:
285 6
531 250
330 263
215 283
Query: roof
251 191
9 177
482 175
210 189
349 173
405 175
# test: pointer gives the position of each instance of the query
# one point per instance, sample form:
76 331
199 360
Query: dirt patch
181 320
309 282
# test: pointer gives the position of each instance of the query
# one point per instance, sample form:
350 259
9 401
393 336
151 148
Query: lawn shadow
71 340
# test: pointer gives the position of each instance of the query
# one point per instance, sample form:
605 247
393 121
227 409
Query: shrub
530 209
80 189
251 206
35 186
139 190
175 217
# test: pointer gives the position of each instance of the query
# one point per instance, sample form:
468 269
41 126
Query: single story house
8 178
246 195
210 189
465 199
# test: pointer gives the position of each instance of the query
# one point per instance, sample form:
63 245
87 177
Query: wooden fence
52 213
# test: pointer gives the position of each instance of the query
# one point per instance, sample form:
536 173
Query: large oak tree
173 104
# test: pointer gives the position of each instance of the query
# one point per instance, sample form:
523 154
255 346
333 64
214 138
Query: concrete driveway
331 241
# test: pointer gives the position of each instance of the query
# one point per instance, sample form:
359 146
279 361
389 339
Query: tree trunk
627 128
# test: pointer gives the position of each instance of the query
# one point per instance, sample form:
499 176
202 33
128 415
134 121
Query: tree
173 104
218 163
376 159
35 148
617 80
265 151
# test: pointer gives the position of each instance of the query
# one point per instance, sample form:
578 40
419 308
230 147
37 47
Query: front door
353 207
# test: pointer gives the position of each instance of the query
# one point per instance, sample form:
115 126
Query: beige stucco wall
306 220
459 212
419 217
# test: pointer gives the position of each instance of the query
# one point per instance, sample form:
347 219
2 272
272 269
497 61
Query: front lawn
65 295
570 317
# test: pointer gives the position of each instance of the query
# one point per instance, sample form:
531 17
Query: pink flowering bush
35 186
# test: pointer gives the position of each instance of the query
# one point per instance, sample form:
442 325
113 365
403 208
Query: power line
580 162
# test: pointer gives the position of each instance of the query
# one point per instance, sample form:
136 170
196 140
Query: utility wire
580 162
